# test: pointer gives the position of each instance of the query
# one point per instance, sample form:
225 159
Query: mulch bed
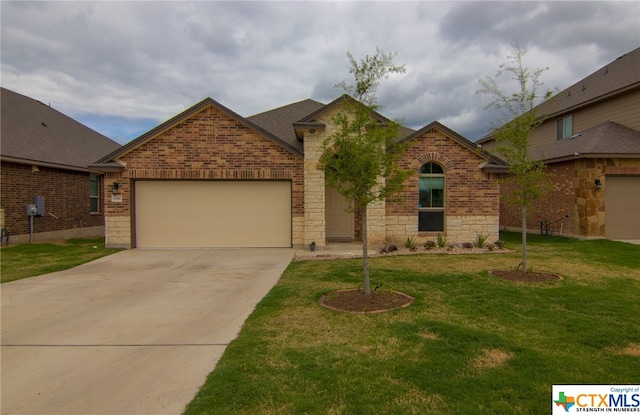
355 301
519 276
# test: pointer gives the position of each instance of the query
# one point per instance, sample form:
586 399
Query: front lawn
28 260
469 344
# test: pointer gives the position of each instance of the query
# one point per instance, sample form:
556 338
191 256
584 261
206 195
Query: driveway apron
136 332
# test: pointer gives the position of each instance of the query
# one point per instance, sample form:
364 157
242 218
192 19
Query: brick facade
209 145
572 192
67 203
471 196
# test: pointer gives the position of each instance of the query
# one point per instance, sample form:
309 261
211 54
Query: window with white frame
431 188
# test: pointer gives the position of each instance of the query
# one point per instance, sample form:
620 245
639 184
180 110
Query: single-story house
44 157
209 177
589 140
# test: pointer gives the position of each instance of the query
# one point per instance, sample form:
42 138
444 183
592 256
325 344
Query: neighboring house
590 143
45 154
211 178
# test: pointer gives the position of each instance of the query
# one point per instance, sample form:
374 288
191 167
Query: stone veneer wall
471 196
314 193
573 192
209 145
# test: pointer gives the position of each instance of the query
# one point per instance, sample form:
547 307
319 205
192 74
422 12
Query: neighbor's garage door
171 214
622 207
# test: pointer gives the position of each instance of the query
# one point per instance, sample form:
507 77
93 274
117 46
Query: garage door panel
213 214
622 206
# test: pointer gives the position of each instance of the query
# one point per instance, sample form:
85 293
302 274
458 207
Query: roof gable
492 160
279 121
183 116
336 102
35 133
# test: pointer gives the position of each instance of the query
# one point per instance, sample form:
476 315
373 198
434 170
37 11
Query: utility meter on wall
32 210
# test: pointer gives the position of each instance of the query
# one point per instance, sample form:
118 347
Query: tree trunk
524 238
365 251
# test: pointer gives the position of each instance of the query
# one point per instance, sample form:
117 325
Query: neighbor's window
431 198
564 127
94 194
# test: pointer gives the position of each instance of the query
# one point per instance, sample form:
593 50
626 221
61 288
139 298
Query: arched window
431 198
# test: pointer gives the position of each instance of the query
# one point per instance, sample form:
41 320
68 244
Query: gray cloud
120 65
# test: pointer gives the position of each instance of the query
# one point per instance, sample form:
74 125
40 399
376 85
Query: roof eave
19 160
300 127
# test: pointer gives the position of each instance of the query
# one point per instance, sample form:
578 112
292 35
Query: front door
339 222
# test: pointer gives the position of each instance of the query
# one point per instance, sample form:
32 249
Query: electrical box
39 202
32 210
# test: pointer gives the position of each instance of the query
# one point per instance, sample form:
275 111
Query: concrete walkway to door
136 332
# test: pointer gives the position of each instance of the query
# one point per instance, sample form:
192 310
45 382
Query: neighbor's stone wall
572 192
472 198
210 145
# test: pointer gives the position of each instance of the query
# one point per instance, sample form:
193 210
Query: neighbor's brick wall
472 198
572 192
558 201
66 195
209 145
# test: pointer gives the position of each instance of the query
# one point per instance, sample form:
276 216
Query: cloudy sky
123 67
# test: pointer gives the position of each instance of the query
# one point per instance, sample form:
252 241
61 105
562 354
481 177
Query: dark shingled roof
279 121
35 133
618 77
607 139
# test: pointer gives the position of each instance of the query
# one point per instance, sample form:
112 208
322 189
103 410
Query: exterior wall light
598 184
114 189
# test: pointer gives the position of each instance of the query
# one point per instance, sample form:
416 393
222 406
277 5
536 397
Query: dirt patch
531 277
633 350
355 301
491 358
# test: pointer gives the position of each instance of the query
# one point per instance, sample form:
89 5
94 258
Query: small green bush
481 240
429 245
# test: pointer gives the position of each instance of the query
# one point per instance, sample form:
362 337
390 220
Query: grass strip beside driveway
470 343
29 260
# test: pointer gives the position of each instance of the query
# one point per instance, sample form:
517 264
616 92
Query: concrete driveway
136 332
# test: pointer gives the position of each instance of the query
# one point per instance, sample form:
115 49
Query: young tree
520 118
360 159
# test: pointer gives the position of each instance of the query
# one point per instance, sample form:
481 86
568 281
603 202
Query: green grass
470 343
29 260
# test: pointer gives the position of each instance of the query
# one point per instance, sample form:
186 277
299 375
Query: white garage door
622 207
191 214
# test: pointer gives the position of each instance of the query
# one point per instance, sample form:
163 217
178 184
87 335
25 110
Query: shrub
410 244
429 245
481 240
442 241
